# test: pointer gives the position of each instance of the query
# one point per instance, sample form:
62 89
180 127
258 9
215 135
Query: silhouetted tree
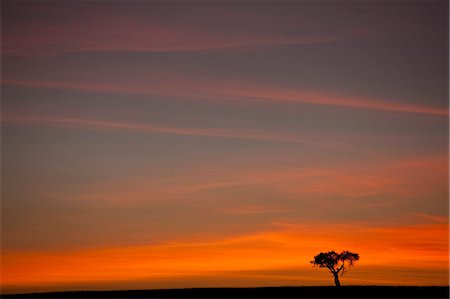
335 262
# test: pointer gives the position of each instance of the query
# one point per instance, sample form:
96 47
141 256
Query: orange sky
390 253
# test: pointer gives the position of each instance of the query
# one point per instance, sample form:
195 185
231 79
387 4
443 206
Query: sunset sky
165 144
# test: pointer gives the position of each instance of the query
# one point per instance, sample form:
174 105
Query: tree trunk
336 280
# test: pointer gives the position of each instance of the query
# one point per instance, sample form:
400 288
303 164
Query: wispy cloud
129 32
235 91
170 42
253 209
400 178
150 128
361 186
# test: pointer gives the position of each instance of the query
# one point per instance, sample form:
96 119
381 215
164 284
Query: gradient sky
155 144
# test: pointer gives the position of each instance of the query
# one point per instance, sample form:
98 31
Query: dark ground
263 292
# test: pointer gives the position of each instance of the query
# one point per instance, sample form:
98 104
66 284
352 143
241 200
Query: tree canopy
335 262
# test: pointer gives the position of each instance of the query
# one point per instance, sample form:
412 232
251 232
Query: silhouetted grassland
260 292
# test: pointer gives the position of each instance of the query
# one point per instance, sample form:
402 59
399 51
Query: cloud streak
362 186
211 90
129 32
149 128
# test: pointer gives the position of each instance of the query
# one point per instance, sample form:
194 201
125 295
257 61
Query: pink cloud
112 31
353 181
150 128
234 91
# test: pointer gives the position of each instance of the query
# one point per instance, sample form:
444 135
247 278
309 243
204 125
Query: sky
166 144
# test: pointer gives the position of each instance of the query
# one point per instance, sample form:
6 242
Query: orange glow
287 246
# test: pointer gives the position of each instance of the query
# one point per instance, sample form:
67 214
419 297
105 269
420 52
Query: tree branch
341 268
